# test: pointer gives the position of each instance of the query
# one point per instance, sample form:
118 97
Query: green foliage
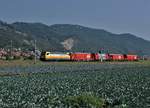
62 84
9 57
85 101
31 57
17 57
20 40
50 38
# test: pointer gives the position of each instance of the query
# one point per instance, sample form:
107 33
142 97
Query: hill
19 39
94 39
62 37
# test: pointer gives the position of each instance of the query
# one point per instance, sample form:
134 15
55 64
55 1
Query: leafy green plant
85 101
55 84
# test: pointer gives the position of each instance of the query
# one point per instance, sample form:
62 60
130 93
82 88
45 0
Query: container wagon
116 57
132 57
82 57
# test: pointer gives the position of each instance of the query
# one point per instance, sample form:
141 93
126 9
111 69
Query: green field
24 84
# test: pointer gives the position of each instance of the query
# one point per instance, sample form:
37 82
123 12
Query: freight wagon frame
79 56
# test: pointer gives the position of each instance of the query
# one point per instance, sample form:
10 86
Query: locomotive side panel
54 56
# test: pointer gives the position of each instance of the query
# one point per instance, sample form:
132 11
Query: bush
9 57
84 101
29 58
17 57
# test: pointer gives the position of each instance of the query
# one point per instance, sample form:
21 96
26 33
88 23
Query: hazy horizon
116 16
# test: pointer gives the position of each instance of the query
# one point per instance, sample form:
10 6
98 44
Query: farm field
24 84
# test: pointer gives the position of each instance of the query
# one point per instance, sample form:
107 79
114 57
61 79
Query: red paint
116 57
82 56
131 57
96 56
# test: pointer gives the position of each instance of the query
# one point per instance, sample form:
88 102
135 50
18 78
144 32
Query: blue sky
117 16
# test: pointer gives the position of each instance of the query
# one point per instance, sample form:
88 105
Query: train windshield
43 53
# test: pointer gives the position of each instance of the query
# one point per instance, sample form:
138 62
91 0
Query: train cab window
47 53
43 53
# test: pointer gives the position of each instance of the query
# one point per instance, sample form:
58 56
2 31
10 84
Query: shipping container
116 57
82 56
131 57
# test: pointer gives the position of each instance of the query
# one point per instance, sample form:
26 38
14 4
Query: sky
116 16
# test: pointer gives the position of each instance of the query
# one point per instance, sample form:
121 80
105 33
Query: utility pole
34 51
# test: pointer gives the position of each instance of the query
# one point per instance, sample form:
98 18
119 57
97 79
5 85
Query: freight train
79 56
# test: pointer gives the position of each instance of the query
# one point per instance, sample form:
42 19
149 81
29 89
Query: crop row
50 84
